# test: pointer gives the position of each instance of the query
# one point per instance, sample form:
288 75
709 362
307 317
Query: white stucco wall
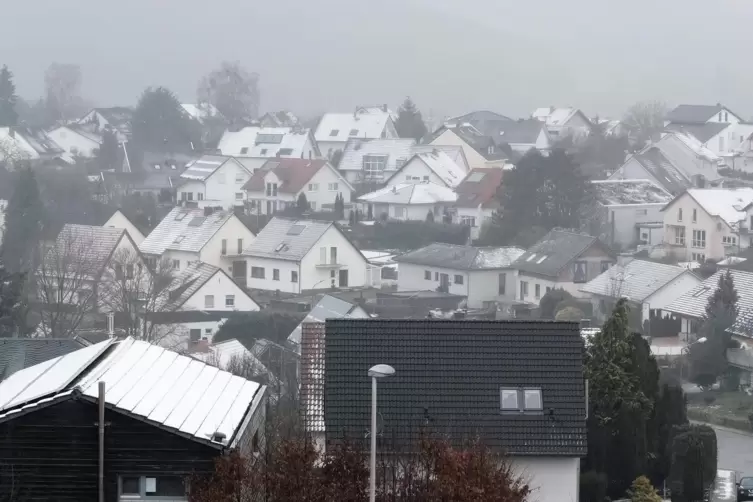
672 291
221 187
284 266
633 170
552 479
74 143
359 270
325 177
118 220
475 159
182 256
624 219
729 118
414 171
480 214
232 230
219 286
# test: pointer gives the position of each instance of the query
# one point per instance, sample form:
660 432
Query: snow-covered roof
162 387
203 168
622 192
396 150
411 193
265 142
363 123
456 257
200 111
726 203
184 229
554 116
696 146
328 307
443 166
288 238
223 352
693 303
635 280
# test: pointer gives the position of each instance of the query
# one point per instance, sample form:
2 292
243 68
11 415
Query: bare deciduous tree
63 85
233 91
10 154
645 120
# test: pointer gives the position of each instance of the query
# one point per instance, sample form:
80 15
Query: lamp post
378 371
686 351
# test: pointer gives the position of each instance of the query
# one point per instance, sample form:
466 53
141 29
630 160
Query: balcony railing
329 265
741 358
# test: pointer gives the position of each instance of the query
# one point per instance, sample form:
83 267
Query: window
333 255
332 274
490 150
695 215
726 117
509 400
190 195
129 271
208 301
275 274
239 178
502 284
605 266
641 212
526 399
257 272
699 239
207 331
374 165
194 334
176 264
244 150
427 275
468 220
230 300
130 485
332 187
139 487
699 257
721 143
334 132
199 196
240 246
353 132
271 189
523 289
537 291
580 269
408 177
312 205
532 399
313 187
223 251
118 271
680 236
286 151
263 151
238 195
679 214
426 178
399 212
293 276
458 279
548 289
436 276
729 239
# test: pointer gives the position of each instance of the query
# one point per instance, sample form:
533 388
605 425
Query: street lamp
378 371
686 350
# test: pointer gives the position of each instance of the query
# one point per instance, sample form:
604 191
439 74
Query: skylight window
180 216
285 151
701 291
531 258
296 229
476 177
280 247
179 239
197 222
520 400
543 257
269 138
157 166
353 132
334 132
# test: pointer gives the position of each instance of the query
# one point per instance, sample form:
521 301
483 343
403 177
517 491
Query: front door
239 272
444 282
343 278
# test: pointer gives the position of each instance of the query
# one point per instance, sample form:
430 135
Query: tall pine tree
108 155
12 304
23 225
8 99
409 122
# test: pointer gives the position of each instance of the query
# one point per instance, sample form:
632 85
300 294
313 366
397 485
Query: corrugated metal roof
458 257
175 232
177 392
287 238
693 303
636 280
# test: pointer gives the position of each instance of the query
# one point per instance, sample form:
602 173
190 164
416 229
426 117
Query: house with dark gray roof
480 150
701 114
291 255
523 135
482 274
517 386
485 121
562 259
715 126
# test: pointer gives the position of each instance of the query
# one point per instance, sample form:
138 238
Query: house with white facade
433 167
293 256
374 160
119 220
188 235
335 129
476 198
279 182
701 114
647 285
285 142
20 144
410 200
480 151
524 135
715 126
705 224
626 213
76 140
561 259
482 274
563 121
215 181
116 117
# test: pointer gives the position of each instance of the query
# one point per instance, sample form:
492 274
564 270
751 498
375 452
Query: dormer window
334 132
353 132
520 399
157 166
490 150
244 150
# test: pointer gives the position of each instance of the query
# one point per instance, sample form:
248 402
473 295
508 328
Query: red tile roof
479 191
294 174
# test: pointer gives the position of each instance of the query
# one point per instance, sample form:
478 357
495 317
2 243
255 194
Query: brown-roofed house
477 197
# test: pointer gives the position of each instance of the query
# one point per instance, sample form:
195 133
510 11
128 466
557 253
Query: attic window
179 239
244 150
490 150
268 138
520 399
285 151
353 132
334 132
180 216
475 177
157 166
531 258
197 222
296 229
173 167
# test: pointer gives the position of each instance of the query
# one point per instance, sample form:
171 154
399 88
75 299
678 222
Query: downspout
300 278
101 441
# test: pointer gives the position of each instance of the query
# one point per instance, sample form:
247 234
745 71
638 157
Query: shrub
694 461
549 302
643 491
569 314
593 486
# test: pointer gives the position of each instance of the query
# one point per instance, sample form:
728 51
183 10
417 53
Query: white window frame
468 220
143 495
374 166
699 239
680 236
208 301
313 187
229 301
263 273
332 187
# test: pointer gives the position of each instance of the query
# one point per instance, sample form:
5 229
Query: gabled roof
268 142
624 192
555 251
222 353
116 116
451 373
459 257
200 112
206 166
557 116
83 131
487 122
28 143
397 151
521 132
671 177
189 280
473 138
636 280
702 132
693 303
692 144
726 203
366 122
94 245
184 229
329 307
161 387
19 353
283 118
455 152
440 164
411 193
479 188
294 174
694 114
288 238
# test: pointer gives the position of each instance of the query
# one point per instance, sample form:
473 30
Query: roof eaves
252 408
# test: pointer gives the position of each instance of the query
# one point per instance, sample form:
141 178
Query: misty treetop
161 125
409 122
233 91
8 99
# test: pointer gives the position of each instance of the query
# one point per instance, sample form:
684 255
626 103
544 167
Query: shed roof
458 257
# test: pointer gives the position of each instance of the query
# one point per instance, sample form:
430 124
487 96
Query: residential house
627 213
524 135
410 201
279 183
373 161
200 111
289 142
433 167
561 259
486 122
19 144
715 126
516 386
147 173
482 274
481 151
455 152
328 307
564 121
76 140
335 129
119 220
187 235
292 255
705 224
701 114
215 181
476 198
648 286
152 401
117 117
19 353
283 118
682 148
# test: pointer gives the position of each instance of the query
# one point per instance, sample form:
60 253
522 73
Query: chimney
12 132
111 324
384 108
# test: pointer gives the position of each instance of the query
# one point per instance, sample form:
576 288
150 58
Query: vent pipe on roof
218 437
111 324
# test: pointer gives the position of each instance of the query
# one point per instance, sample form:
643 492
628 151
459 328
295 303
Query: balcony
740 358
330 265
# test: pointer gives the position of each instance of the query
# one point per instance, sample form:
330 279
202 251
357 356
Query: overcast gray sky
451 56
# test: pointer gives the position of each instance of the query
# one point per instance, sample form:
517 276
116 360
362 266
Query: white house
476 198
214 180
119 220
705 224
290 142
76 140
296 255
433 167
563 121
410 201
647 285
374 160
523 135
116 117
188 235
335 129
479 150
482 274
627 213
279 182
561 259
701 114
32 145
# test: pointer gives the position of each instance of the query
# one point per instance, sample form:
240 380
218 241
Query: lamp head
381 371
